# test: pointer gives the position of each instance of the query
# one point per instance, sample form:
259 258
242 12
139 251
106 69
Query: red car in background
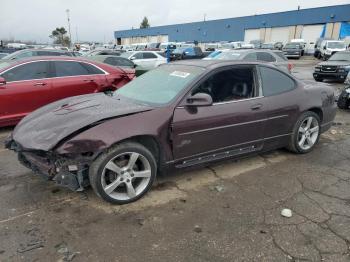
28 84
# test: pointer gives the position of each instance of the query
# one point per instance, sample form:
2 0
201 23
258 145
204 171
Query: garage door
251 34
310 34
280 34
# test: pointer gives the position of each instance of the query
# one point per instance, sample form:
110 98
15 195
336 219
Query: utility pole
76 34
70 35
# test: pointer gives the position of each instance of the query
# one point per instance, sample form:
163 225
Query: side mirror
132 58
134 66
324 48
2 82
199 99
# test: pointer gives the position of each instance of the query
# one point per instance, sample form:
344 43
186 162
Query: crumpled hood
47 126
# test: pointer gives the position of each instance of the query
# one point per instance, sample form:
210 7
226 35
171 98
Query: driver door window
229 85
37 70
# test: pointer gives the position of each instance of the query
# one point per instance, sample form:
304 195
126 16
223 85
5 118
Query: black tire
318 79
97 167
343 102
293 143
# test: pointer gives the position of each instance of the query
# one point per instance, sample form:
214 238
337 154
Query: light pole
70 35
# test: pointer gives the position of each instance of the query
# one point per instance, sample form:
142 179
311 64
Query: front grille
329 69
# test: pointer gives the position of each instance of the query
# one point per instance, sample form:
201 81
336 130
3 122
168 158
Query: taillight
290 67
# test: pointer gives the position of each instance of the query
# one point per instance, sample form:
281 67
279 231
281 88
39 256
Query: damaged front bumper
67 171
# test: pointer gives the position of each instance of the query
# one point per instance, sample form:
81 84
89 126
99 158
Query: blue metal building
233 29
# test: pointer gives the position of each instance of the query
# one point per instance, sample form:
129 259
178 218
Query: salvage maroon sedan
179 115
26 85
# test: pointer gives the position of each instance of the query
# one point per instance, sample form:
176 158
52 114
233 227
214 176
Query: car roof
45 58
42 49
210 64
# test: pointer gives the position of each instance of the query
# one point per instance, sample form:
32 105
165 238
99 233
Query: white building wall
251 34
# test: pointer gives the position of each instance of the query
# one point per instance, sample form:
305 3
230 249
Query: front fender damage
70 171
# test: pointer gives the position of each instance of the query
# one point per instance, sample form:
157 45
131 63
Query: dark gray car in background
274 57
293 50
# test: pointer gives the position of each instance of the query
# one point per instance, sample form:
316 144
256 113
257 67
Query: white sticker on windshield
180 74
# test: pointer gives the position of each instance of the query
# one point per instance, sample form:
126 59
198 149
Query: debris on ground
286 212
226 206
67 254
62 250
197 229
333 132
140 221
30 246
217 188
183 200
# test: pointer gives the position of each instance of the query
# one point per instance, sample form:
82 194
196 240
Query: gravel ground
229 211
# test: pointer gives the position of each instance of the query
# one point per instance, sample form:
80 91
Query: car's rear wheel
306 133
124 173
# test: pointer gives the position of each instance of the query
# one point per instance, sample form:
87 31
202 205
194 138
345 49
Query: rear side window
70 68
36 70
26 54
251 57
138 56
119 61
266 57
275 82
149 56
92 70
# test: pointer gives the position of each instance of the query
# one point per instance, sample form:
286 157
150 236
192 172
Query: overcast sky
97 20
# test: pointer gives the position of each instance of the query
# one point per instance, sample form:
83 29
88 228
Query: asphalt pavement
229 211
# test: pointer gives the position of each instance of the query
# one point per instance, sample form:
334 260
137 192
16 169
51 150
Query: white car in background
145 59
330 47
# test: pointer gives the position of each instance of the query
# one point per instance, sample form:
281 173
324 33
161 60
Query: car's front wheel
306 133
124 173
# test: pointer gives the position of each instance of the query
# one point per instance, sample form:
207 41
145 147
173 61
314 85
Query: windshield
340 56
161 85
13 55
228 56
336 45
292 46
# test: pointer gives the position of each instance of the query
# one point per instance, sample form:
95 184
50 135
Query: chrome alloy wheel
308 133
126 176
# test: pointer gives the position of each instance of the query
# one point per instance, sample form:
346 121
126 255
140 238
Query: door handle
256 107
88 80
40 84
